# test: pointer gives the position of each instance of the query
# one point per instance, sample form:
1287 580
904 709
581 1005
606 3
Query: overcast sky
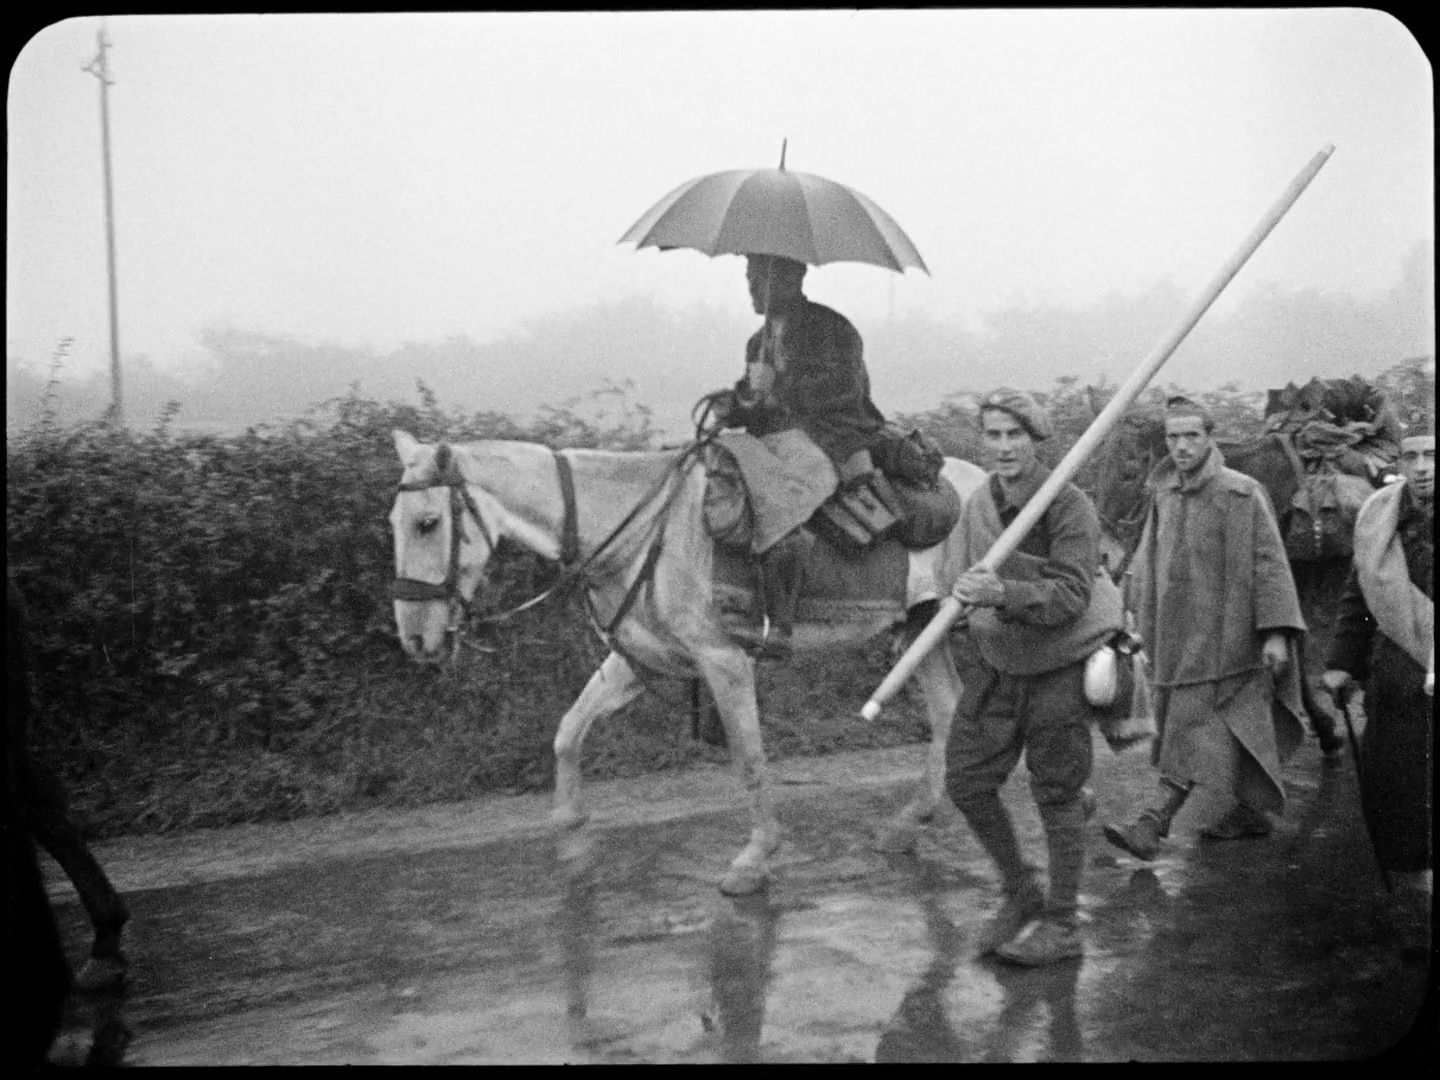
390 178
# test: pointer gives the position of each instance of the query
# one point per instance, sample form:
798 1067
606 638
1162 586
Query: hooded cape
1204 596
1404 614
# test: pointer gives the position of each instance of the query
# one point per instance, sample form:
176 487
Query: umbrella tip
783 144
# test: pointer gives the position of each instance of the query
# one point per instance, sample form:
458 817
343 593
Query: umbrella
796 215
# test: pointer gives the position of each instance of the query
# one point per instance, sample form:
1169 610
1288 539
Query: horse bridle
448 475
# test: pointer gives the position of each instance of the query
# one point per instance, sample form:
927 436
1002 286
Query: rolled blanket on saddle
754 497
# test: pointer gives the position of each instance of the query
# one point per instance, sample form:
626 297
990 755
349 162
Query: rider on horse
805 396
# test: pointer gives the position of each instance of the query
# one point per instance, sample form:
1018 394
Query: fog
665 358
302 202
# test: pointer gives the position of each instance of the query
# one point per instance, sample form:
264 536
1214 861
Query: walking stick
1344 700
1031 512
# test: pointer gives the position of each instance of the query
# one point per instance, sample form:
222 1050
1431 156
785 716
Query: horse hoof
567 819
897 838
742 881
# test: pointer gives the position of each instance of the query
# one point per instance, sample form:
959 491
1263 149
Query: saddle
877 548
881 584
896 493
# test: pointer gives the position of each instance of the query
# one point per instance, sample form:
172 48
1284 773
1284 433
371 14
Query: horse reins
447 476
1129 538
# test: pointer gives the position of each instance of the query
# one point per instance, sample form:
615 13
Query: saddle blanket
886 580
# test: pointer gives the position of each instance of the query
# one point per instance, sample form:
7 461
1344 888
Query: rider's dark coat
819 385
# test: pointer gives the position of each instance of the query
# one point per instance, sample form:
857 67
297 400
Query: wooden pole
1031 512
100 69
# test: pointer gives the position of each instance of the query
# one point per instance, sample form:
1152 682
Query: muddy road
462 934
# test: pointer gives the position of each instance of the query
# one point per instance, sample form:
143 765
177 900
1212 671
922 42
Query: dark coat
823 389
1210 577
1397 750
1204 593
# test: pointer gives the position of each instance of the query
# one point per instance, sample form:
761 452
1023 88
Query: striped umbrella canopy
796 215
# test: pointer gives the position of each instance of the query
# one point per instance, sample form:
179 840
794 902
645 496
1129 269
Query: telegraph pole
100 69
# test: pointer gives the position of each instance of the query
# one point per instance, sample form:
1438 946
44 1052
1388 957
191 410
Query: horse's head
1126 457
442 543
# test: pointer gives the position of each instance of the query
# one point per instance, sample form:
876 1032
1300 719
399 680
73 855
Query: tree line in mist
669 358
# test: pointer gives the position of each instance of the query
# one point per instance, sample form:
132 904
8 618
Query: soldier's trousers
1044 717
48 817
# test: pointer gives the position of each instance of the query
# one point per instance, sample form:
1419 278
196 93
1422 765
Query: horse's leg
612 685
731 677
941 685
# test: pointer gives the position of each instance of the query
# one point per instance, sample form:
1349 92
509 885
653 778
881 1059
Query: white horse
630 526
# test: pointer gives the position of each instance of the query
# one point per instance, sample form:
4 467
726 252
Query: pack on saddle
1343 438
851 555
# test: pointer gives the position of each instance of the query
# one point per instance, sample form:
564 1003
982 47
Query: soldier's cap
1422 428
1179 405
778 264
1024 408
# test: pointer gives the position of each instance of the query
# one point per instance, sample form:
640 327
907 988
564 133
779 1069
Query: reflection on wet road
614 946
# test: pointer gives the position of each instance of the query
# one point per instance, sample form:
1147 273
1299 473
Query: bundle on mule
1344 437
1347 424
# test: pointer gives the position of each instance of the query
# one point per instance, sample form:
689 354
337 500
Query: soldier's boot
1142 839
1024 898
782 574
1241 823
1055 935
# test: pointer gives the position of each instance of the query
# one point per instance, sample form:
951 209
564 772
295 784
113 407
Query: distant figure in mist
44 814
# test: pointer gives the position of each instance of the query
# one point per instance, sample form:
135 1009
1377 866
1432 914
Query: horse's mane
530 446
613 465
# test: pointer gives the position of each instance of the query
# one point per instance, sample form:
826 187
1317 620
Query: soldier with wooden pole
950 608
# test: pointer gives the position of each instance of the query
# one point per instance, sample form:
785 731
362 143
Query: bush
212 632
213 637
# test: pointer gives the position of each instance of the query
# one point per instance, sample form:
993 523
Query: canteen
1102 678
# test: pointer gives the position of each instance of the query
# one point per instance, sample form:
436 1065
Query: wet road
459 934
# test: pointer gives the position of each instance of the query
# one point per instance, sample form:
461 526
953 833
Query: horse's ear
406 445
